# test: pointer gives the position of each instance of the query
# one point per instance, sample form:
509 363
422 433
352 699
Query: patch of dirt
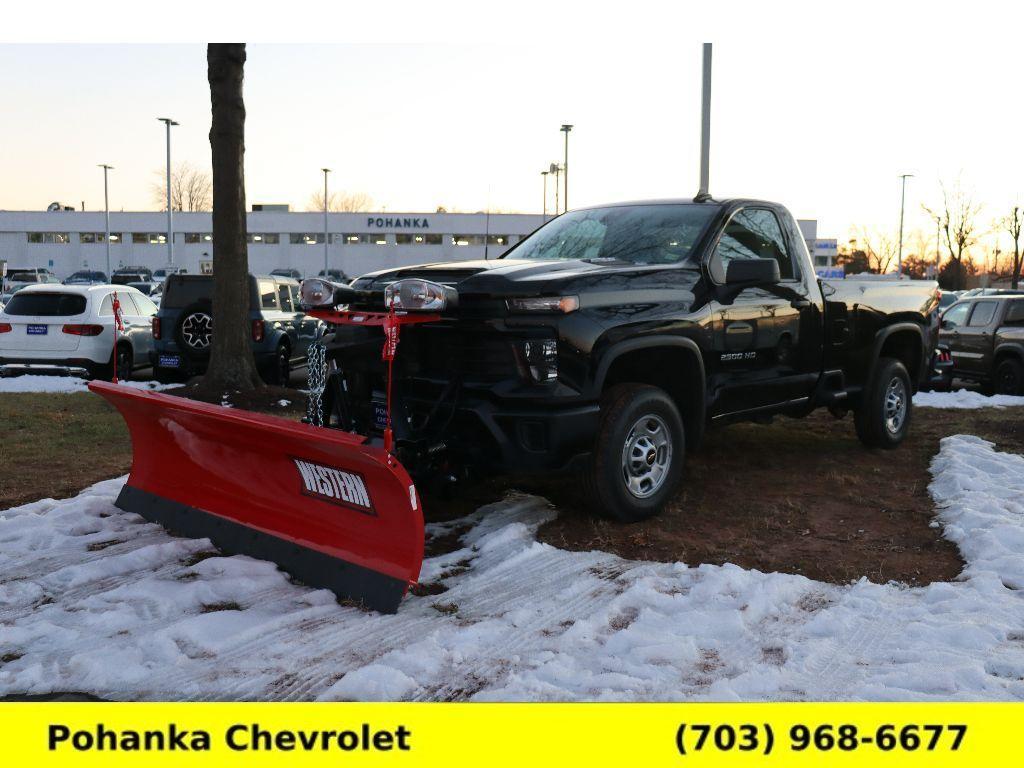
267 399
800 496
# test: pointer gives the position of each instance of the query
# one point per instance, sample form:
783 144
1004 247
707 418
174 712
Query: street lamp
170 216
106 212
938 244
544 175
565 166
556 169
327 237
903 198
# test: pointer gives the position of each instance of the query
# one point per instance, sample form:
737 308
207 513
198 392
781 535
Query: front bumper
510 437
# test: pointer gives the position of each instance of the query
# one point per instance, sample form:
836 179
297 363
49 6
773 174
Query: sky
822 110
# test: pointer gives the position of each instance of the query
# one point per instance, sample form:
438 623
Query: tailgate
38 334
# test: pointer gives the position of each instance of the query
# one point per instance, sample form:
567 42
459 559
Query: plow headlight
315 292
413 295
563 304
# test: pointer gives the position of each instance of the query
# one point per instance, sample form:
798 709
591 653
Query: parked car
985 335
286 272
160 274
69 329
125 275
17 278
610 339
86 277
150 289
183 328
334 275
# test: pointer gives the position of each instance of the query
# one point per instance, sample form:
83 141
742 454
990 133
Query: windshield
639 234
46 304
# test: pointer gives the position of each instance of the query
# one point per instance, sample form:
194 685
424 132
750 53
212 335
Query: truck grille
436 351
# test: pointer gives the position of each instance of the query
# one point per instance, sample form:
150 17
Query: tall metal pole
938 244
565 166
705 125
170 215
327 237
903 199
106 213
555 169
544 175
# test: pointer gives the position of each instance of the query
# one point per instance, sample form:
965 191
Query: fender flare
615 351
883 335
1015 348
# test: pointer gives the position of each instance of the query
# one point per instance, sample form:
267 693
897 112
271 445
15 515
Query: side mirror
948 325
752 271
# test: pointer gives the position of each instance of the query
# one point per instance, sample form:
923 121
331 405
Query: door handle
800 304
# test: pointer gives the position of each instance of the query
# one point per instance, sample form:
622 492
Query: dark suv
986 338
281 331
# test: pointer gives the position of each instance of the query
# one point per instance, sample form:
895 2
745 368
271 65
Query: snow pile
97 600
965 398
64 384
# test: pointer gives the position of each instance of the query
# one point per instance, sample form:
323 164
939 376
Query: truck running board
321 503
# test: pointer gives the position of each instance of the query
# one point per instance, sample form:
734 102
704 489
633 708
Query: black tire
1008 378
279 369
883 416
618 480
125 364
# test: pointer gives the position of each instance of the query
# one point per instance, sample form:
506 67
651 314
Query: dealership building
66 240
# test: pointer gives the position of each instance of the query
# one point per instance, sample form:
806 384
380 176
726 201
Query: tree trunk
231 360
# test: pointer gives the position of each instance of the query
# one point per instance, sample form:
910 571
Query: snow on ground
67 384
95 599
965 398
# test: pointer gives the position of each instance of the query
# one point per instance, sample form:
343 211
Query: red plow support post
323 504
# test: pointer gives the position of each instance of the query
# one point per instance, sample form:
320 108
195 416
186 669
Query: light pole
565 166
556 169
544 175
938 244
705 125
170 216
327 237
903 198
106 212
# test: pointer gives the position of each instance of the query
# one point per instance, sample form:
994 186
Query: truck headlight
564 304
414 295
541 359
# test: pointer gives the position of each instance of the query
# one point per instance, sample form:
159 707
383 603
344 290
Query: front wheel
637 462
883 416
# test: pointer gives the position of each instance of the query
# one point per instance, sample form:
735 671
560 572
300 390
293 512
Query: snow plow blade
321 503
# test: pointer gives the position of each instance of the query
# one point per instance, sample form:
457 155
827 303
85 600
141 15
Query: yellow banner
515 735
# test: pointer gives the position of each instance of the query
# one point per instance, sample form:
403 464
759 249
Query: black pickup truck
608 341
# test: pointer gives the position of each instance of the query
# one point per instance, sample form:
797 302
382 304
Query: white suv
69 329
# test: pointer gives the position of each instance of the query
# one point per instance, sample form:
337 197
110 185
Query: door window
982 314
956 315
268 294
1015 314
296 297
754 233
284 295
146 307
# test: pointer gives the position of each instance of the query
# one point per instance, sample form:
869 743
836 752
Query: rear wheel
125 363
637 461
1009 377
279 370
883 416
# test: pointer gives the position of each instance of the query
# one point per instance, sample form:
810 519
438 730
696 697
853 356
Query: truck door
767 341
974 347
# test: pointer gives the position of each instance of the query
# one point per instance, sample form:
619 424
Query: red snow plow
334 508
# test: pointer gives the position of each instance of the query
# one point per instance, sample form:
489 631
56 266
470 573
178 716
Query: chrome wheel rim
895 405
646 456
